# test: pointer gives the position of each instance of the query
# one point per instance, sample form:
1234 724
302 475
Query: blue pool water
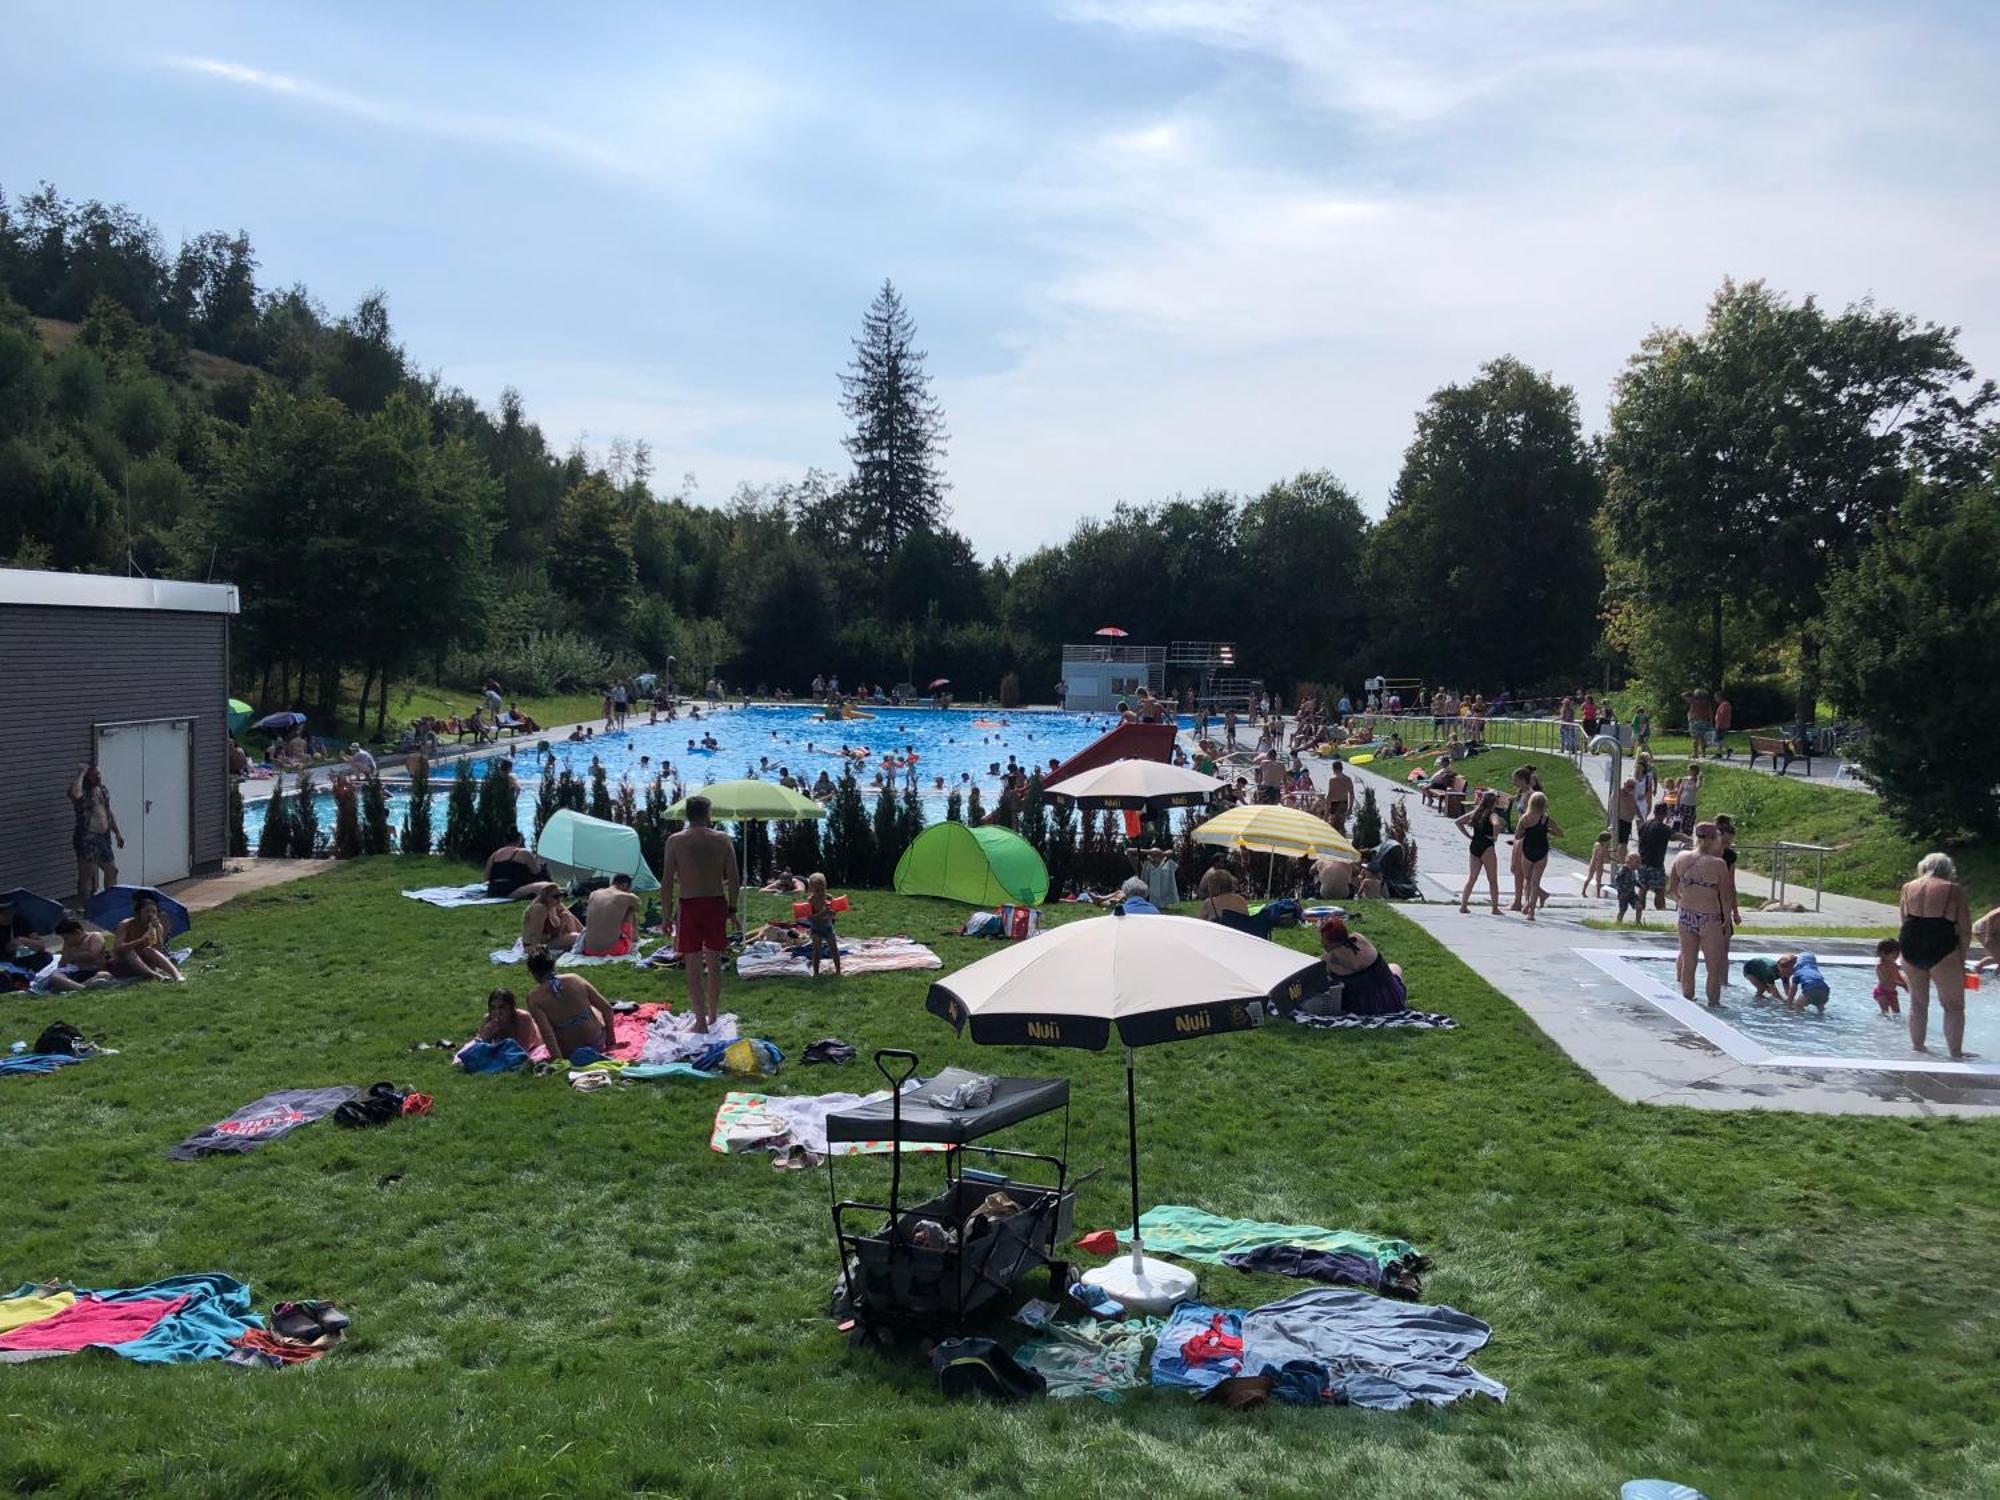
1852 1025
963 746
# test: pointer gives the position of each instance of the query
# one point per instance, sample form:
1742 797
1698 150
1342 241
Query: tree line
1761 516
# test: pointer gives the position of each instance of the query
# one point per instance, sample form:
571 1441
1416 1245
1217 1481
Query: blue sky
1151 245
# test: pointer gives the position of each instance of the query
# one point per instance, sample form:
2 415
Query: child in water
1889 977
819 923
1809 986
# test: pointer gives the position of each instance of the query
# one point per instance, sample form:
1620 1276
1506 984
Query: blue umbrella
285 720
113 905
32 913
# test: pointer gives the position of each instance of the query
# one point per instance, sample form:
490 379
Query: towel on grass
781 1122
458 895
862 956
25 1063
39 985
671 1037
176 1321
1191 1234
1372 1352
1420 1020
518 954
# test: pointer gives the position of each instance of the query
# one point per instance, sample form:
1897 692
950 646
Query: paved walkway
1630 1045
240 876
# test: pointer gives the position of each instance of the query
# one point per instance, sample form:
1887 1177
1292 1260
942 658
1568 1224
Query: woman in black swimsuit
1531 842
1370 984
1937 931
1481 825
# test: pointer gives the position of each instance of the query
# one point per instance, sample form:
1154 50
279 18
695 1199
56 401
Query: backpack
62 1038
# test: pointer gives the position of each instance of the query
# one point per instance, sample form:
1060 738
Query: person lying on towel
611 920
569 1013
549 924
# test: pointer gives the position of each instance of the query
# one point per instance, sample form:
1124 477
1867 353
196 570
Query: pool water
965 747
1852 1025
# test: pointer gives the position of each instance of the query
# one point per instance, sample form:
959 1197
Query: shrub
346 819
540 663
650 819
756 851
374 815
546 804
1010 690
461 816
909 826
496 815
849 856
954 807
1032 820
304 841
417 821
600 792
798 847
887 851
239 842
275 841
975 809
569 791
1367 821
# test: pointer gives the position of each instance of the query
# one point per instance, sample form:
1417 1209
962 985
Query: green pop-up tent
979 866
573 844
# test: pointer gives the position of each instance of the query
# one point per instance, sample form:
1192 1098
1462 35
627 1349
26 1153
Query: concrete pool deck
1626 1042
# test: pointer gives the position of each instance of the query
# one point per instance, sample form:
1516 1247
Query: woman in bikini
506 1021
1531 843
141 945
549 924
1699 883
568 1011
1482 827
1936 932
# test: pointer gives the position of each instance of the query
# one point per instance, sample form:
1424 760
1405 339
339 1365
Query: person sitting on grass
512 869
506 1021
575 1021
1771 978
819 924
1222 896
1370 985
547 923
1889 977
1133 900
141 945
611 919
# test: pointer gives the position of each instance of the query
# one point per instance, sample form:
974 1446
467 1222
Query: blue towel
35 1062
492 1057
217 1314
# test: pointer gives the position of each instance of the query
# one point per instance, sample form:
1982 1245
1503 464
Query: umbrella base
1155 1288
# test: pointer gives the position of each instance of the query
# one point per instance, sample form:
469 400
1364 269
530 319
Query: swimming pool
965 747
1852 1033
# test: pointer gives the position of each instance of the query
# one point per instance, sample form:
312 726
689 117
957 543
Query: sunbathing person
86 956
506 1020
568 1012
1371 986
513 870
611 919
1223 897
141 945
549 924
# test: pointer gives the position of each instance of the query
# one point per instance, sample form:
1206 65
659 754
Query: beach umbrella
940 682
1148 978
1270 828
573 844
113 905
1134 785
285 720
1112 630
33 914
239 715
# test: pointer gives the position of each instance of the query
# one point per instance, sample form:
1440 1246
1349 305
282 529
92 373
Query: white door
168 817
121 761
145 769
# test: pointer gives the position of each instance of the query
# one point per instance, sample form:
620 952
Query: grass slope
1577 813
560 1293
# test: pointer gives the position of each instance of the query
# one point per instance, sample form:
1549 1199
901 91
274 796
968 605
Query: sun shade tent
574 845
1153 978
979 866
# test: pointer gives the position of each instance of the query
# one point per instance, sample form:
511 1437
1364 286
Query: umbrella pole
1132 1140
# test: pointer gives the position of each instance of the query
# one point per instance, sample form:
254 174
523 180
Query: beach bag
1018 922
62 1039
752 1057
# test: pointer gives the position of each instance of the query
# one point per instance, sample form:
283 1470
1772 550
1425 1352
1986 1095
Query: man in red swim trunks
701 861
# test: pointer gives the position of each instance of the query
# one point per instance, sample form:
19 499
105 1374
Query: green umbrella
753 802
239 714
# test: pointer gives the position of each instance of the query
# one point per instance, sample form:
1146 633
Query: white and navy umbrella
1138 785
1149 978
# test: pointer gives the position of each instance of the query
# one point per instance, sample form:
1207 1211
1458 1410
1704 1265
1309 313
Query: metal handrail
1781 853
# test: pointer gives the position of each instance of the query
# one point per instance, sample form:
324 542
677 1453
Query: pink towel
88 1321
628 1031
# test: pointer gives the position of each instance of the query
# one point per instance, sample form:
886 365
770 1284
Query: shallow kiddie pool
1852 1032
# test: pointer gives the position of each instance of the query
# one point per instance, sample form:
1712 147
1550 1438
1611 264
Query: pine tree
600 792
304 839
569 791
954 807
887 851
417 819
546 803
496 810
239 842
798 846
898 438
849 853
1059 849
346 819
461 816
374 815
975 809
276 839
1032 820
909 827
1367 821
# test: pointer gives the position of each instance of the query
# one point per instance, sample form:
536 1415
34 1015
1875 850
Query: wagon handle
896 1082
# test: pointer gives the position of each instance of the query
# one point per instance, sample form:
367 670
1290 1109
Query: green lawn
558 1293
1876 857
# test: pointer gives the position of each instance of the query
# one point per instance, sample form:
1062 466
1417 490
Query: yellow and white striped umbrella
1269 828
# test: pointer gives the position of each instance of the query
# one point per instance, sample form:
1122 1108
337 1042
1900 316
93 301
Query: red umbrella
941 682
1112 630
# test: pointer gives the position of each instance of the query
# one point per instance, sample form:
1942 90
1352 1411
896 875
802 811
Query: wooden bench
1781 752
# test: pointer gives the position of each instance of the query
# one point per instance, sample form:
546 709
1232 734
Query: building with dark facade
133 675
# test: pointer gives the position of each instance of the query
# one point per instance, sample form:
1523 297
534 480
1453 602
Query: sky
1152 246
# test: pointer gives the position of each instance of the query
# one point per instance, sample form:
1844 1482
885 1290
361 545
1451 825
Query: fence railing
1788 861
1549 736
